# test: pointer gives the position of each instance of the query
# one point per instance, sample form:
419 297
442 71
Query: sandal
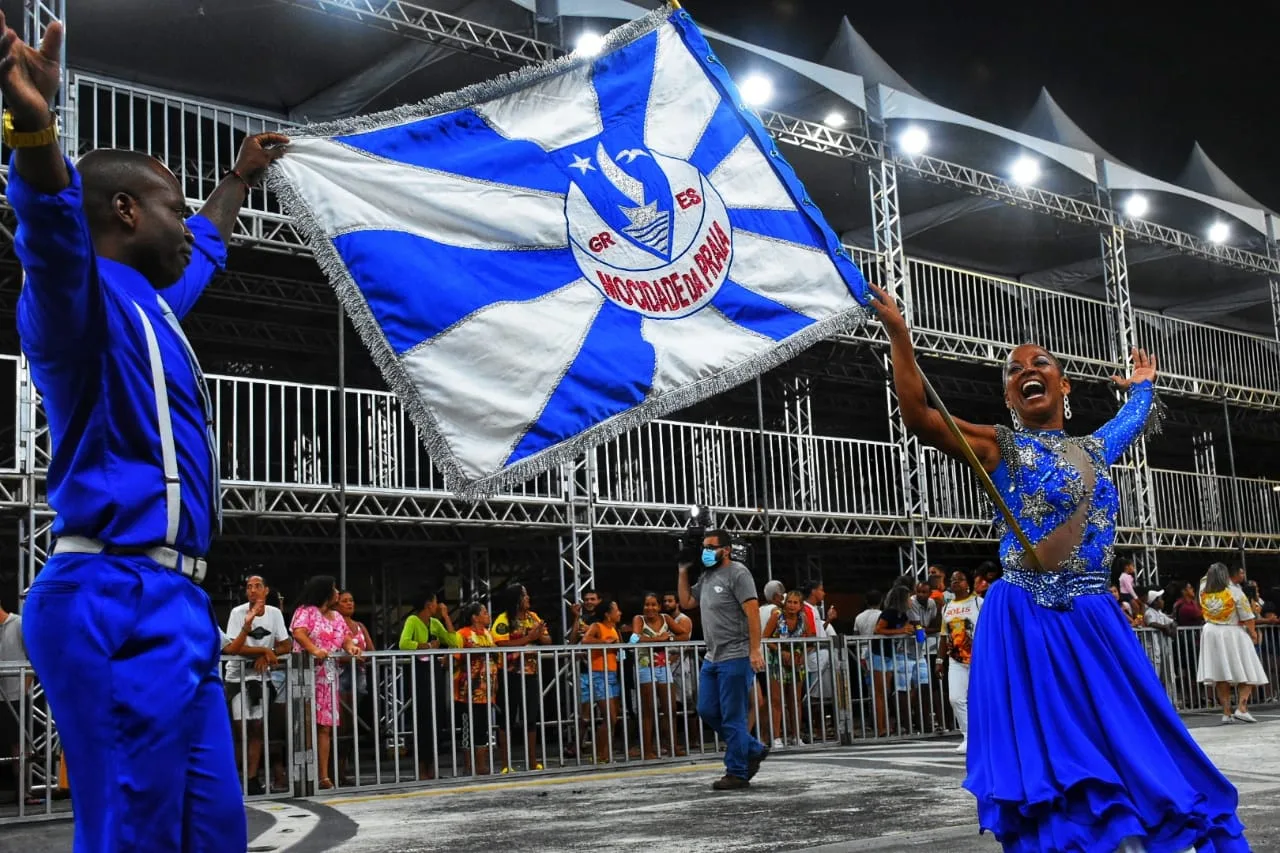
326 784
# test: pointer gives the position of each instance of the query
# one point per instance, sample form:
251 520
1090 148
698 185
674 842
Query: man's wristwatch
35 139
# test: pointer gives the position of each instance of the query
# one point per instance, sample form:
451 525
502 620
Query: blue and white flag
541 262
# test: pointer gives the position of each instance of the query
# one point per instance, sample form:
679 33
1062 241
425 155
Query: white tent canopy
900 105
1120 177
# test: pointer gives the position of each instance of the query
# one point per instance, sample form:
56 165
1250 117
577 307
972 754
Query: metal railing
275 433
1198 352
670 463
952 492
198 140
988 310
1185 501
399 719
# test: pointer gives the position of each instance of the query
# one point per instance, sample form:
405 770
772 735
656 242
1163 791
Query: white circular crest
664 265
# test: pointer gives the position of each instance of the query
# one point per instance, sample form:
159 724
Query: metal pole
342 447
767 477
1235 483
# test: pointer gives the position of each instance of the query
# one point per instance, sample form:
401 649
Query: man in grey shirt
726 595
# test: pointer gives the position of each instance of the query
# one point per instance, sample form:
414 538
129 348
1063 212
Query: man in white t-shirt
955 649
258 633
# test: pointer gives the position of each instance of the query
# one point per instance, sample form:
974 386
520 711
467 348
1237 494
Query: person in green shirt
428 628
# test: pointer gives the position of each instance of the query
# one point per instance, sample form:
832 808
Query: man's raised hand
257 153
29 77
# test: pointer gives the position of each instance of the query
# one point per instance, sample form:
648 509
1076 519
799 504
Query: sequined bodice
1043 488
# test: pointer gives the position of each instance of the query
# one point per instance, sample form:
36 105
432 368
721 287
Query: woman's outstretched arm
1136 414
918 416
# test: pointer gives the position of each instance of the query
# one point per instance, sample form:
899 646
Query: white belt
193 567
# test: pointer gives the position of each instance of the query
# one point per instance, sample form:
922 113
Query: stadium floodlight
834 119
589 44
1135 206
1219 232
913 141
756 90
694 511
1025 170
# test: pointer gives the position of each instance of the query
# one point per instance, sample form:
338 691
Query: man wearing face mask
726 595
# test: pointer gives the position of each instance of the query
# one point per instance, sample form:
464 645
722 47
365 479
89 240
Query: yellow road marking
539 782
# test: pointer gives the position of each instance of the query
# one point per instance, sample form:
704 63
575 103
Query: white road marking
292 826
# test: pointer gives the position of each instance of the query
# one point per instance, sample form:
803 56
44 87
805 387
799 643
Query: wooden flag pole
984 479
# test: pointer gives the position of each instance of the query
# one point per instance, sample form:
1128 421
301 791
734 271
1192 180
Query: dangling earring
1066 407
1017 422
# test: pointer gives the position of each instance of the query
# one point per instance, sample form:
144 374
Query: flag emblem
541 262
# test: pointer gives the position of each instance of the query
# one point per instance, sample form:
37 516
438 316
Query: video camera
689 544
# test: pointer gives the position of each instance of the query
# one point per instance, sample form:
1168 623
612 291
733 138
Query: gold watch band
34 139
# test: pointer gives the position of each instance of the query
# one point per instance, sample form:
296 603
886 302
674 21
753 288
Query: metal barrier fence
400 719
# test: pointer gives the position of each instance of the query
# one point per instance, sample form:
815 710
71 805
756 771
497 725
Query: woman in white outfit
1227 654
955 649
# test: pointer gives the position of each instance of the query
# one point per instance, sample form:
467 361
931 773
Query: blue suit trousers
127 652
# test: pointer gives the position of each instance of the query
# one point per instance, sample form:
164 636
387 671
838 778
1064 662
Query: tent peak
852 53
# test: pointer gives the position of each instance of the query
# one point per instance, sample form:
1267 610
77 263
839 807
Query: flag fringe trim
393 371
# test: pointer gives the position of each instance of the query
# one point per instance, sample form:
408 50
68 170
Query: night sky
1144 81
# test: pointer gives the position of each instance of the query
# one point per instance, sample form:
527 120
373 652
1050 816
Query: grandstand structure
323 471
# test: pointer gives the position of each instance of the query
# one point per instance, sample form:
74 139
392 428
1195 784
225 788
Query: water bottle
920 634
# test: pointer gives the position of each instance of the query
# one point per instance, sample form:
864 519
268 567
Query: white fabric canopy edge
900 105
1120 177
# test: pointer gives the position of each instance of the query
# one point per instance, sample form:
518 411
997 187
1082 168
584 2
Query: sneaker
777 743
753 764
1245 717
963 747
255 788
1225 721
730 783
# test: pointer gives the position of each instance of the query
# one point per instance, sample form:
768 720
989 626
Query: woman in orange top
604 686
475 688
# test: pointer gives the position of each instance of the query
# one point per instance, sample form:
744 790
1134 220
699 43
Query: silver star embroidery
1037 507
582 164
1027 456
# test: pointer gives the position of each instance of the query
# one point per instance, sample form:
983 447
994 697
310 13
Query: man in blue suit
119 631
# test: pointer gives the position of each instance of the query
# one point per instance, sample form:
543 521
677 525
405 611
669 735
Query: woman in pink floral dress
320 631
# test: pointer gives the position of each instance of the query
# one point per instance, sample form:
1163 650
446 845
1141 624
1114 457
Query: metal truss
886 217
478 576
240 331
288 293
280 502
230 286
820 138
577 545
418 22
1274 285
1124 337
443 509
798 411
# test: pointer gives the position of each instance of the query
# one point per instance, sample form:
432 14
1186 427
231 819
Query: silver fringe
398 379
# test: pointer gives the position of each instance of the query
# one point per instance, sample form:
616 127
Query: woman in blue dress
1074 744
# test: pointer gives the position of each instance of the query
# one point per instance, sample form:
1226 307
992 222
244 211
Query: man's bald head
106 172
136 213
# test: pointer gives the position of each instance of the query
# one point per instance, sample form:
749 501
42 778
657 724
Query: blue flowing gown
1074 744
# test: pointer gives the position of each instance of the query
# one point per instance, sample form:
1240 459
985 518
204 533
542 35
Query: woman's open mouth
1032 389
